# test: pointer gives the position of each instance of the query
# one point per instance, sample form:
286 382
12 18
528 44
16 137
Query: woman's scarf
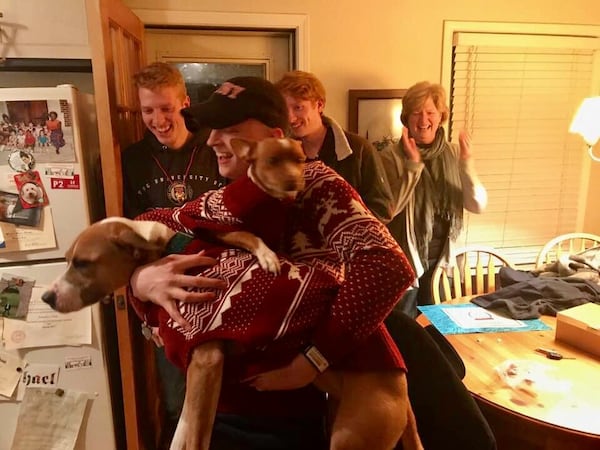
438 193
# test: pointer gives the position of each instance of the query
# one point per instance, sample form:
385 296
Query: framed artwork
375 115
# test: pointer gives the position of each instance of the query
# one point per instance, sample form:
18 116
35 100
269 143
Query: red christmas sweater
347 274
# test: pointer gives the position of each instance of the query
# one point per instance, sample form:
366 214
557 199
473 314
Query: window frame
588 31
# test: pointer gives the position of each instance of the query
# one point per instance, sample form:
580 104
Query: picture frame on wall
375 115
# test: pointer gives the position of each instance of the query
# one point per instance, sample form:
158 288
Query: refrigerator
50 189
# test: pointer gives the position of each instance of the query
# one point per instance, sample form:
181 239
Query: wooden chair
566 243
474 273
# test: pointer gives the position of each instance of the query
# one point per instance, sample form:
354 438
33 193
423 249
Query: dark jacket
355 159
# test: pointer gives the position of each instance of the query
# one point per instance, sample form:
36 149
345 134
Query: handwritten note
49 418
24 238
476 317
11 367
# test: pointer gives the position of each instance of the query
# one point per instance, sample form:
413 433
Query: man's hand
164 281
410 146
299 373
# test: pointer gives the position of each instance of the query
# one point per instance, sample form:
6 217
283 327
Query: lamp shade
586 121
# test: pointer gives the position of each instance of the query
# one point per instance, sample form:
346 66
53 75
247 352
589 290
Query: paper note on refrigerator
11 368
38 375
20 237
45 327
49 418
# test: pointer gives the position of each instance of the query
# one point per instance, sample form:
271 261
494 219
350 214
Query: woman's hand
164 282
299 373
464 141
410 146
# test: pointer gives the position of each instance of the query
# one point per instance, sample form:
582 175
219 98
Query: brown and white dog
104 256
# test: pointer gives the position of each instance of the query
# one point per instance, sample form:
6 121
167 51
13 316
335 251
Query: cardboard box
580 327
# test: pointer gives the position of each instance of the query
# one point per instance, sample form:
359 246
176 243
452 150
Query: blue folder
440 316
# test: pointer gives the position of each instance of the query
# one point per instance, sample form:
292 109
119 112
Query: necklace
178 191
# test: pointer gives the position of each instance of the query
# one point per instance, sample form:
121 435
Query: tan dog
373 407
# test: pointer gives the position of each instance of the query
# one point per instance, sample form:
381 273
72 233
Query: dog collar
178 242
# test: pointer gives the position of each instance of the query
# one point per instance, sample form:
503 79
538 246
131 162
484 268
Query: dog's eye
273 160
80 263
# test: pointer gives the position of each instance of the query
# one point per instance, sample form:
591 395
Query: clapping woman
433 180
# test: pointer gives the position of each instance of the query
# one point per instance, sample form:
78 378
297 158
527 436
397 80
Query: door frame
296 22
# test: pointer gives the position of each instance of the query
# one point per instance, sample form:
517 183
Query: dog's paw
179 438
268 260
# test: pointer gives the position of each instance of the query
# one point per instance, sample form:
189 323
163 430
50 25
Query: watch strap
316 358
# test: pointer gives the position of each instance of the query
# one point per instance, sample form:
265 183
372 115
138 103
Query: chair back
566 243
474 274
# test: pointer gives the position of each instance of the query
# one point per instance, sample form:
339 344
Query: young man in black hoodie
166 168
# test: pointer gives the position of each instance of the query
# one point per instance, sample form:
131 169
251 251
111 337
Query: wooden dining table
536 403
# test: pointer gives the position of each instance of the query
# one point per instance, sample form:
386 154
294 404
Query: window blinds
516 95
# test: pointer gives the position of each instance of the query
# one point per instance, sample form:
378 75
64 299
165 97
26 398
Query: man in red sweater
287 412
330 228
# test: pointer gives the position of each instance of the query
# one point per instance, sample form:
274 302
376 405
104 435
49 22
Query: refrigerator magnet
31 190
63 177
21 161
12 211
66 171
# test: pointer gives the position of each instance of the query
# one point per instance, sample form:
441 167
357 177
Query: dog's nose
294 184
50 298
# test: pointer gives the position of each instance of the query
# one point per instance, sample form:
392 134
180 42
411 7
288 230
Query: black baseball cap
236 100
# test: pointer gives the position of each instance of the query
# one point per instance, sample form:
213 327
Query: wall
43 29
592 211
386 44
389 44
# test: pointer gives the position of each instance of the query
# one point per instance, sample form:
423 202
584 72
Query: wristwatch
316 358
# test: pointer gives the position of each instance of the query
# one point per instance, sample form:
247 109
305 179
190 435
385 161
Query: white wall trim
296 22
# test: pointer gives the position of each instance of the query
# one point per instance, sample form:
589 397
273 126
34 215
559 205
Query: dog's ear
243 149
139 248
